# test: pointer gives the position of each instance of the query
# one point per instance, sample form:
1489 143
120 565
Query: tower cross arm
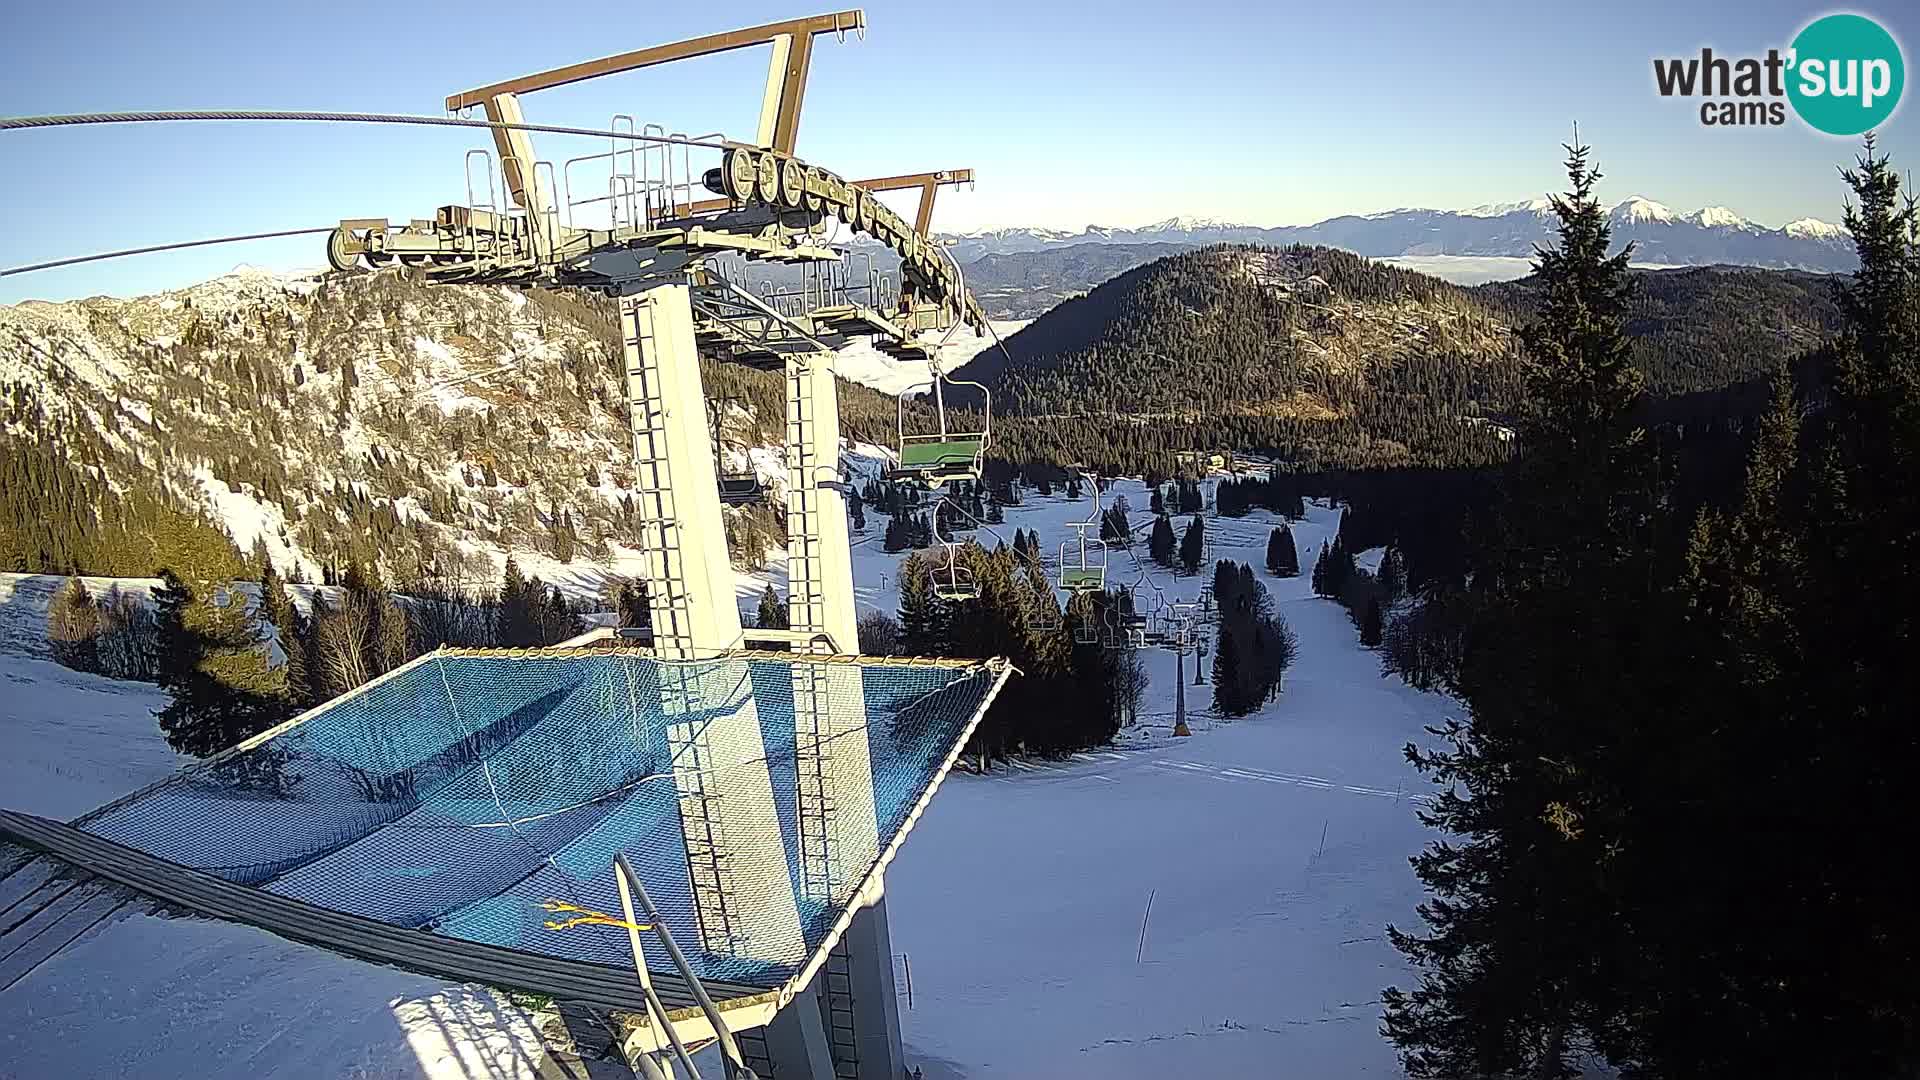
838 22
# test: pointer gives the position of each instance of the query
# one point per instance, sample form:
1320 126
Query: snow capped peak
1719 217
1491 210
1814 229
1186 224
1639 211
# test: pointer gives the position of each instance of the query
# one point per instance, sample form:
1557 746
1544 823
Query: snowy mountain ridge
1664 235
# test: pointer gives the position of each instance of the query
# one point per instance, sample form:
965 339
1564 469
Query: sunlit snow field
1274 850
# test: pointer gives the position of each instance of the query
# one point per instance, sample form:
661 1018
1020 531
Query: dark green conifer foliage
772 613
1160 542
1370 624
1558 682
1193 544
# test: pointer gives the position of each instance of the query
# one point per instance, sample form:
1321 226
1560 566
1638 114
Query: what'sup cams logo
1843 75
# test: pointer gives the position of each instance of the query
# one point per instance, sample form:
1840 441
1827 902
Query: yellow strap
586 917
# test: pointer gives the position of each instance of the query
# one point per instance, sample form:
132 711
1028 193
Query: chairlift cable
17 123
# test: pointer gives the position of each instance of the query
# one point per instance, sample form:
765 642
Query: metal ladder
819 851
836 1012
708 857
806 606
660 542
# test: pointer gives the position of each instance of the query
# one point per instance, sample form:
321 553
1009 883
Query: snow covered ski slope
1274 849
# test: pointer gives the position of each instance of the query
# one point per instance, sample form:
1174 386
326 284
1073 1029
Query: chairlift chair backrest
957 583
1083 564
943 455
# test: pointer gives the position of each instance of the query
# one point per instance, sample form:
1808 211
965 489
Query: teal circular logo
1845 74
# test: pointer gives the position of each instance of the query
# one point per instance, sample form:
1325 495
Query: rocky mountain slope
425 429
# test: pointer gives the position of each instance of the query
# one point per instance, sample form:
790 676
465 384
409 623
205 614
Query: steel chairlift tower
634 223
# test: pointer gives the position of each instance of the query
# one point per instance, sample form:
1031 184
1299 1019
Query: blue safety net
467 793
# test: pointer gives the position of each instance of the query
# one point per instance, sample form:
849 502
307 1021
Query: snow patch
1814 229
1638 211
1719 217
1493 210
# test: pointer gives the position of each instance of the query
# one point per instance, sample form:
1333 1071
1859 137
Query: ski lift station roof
459 816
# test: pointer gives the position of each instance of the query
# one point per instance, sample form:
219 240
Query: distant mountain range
1662 236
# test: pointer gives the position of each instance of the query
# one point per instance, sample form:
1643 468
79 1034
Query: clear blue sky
1120 112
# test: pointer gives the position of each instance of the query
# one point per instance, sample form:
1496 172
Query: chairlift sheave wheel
813 182
739 175
340 253
793 183
766 181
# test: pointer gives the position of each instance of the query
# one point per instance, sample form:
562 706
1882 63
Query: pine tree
1777 655
1552 732
922 622
1392 578
73 627
1371 624
1228 692
772 614
518 625
1160 541
277 610
1193 545
1320 565
1282 558
633 604
212 662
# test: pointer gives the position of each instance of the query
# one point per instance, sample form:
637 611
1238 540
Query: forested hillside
1700 328
420 431
1329 360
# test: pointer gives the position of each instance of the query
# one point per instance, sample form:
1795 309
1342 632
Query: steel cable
16 123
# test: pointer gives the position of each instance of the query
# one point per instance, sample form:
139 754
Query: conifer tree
1193 544
1160 542
518 624
212 662
1283 560
1778 655
73 627
922 625
1320 565
1371 624
772 614
1228 692
633 604
277 610
1552 720
1392 578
